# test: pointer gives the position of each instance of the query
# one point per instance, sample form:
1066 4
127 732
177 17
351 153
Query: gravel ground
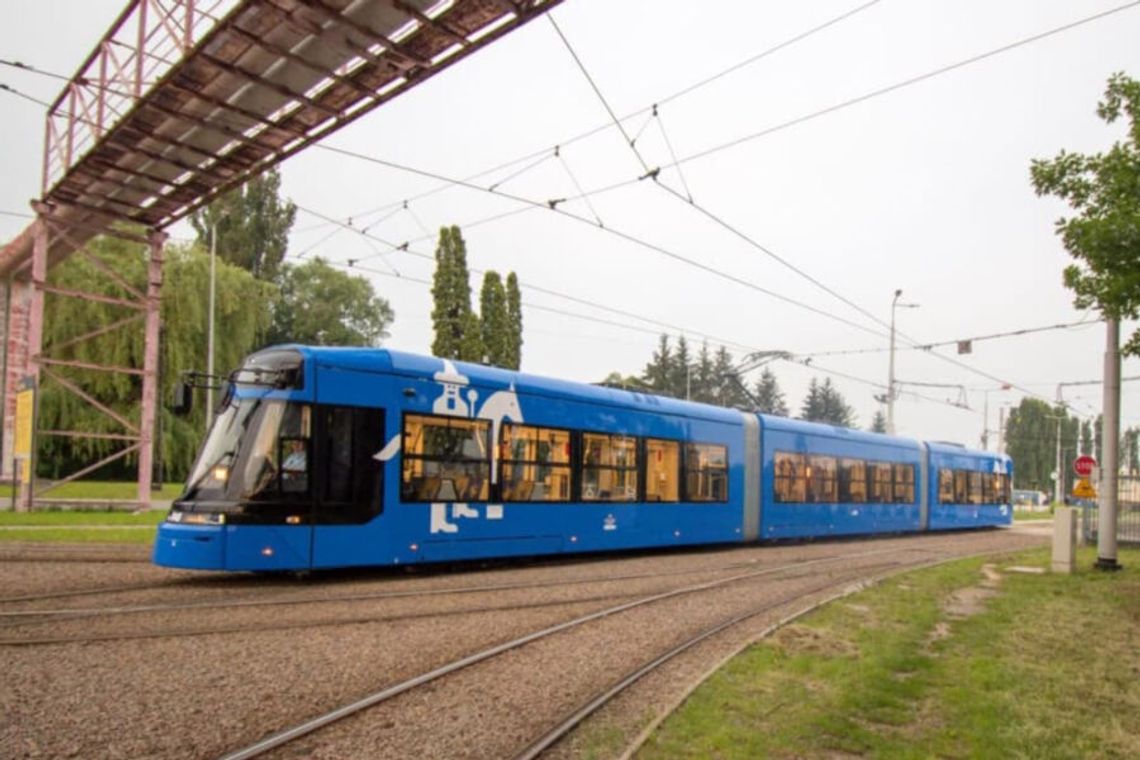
203 695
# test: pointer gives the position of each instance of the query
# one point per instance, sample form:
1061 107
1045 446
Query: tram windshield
256 450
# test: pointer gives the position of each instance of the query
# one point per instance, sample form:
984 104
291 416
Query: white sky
925 188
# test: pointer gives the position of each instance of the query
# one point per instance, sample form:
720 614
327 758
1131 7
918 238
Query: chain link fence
1127 513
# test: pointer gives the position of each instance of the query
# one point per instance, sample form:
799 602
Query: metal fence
1127 513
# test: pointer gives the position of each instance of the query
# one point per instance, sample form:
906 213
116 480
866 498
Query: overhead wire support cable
667 99
355 263
628 237
573 179
17 93
598 92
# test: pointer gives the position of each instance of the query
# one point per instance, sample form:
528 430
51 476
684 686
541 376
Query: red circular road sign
1084 465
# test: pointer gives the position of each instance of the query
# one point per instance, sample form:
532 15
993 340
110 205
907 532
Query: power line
628 237
661 101
356 264
19 94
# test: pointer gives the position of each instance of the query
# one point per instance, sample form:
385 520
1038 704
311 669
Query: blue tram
327 457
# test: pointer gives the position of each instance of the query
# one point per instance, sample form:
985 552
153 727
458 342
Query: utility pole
1109 470
210 327
891 365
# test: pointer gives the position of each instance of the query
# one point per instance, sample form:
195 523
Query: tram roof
417 365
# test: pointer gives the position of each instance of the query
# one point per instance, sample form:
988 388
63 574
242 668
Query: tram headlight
221 473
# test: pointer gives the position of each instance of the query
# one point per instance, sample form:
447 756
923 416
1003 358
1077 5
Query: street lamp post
210 326
891 368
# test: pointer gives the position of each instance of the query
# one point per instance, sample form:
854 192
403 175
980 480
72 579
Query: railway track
787 571
24 619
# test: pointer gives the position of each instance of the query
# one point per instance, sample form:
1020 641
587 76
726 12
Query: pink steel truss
182 100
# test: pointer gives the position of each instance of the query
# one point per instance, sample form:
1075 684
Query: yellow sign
25 420
1082 489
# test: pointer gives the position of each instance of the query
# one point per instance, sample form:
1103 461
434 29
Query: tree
704 377
769 397
659 369
514 322
253 224
495 321
1104 190
730 389
242 305
323 306
1031 440
457 331
680 371
1086 438
825 404
879 423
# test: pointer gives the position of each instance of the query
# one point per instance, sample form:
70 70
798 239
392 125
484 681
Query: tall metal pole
1057 499
150 389
210 328
1109 469
1001 430
986 421
891 370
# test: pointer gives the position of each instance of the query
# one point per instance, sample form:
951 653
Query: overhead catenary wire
611 230
789 42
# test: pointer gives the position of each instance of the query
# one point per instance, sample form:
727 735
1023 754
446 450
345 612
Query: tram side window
852 481
534 463
1006 495
961 487
609 467
662 470
945 486
989 488
351 490
882 489
975 480
706 472
445 459
904 483
820 479
789 481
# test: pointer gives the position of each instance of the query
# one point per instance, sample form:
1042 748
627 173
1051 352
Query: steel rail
288 735
602 698
71 613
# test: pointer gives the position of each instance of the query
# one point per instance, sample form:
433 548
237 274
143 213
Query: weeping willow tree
242 316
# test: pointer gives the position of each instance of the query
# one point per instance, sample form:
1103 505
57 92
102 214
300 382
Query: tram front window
257 450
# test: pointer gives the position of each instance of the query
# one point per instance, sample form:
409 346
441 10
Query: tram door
348 480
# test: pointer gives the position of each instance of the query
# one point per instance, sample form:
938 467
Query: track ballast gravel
203 695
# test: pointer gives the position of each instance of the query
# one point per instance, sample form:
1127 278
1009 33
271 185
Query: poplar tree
495 321
514 323
457 331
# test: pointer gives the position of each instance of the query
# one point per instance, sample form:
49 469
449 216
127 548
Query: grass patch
80 518
1025 514
80 536
1048 667
105 489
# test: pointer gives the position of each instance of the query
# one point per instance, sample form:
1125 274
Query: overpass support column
150 391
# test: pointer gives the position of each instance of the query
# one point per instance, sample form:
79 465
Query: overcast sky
924 188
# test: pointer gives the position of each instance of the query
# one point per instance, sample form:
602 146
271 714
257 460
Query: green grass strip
80 536
78 518
936 664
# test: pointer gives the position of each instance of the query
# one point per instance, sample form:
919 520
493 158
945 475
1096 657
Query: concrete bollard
1064 540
